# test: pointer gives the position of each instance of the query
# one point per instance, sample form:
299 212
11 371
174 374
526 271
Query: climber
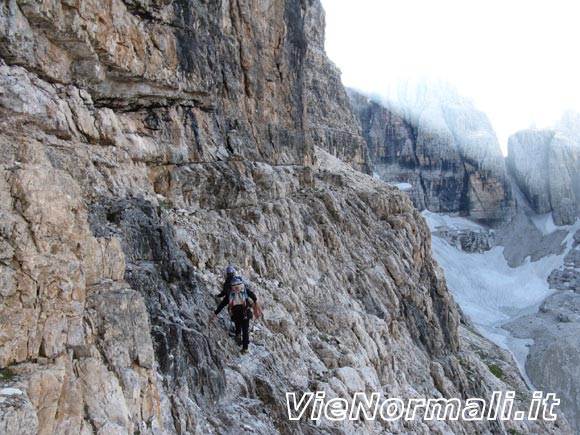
240 300
230 273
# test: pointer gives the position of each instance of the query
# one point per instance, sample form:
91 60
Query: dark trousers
243 326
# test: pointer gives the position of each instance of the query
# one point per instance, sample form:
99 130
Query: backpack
239 297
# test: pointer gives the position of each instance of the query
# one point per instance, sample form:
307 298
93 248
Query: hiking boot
245 351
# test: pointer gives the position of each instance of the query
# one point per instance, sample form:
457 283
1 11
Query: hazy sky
518 60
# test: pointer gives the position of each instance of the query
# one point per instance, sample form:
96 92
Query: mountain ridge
148 144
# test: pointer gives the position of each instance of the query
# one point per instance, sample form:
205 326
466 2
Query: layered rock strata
144 146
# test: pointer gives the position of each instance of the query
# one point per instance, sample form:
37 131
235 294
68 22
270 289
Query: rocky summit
146 145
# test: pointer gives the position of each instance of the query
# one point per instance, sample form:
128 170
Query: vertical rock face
145 145
242 84
444 148
545 165
332 123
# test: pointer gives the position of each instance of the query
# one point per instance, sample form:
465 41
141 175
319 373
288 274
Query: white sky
518 60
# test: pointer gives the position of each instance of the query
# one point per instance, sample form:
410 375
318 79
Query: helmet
230 270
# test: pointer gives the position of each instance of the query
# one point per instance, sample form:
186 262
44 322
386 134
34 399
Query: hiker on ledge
240 300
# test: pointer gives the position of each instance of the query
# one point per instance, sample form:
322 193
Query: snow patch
403 186
488 290
10 392
491 293
545 223
438 222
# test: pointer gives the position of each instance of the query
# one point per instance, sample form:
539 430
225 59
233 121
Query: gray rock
468 241
568 276
564 279
17 414
145 146
331 123
566 212
556 334
441 145
576 238
545 164
521 239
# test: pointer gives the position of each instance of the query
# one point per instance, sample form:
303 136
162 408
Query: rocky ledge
144 146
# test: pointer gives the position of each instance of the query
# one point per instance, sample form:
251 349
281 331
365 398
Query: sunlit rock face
545 164
144 146
439 143
210 64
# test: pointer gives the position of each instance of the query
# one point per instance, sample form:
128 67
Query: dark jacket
226 287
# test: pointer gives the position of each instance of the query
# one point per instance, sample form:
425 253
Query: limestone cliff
439 143
545 164
331 122
144 145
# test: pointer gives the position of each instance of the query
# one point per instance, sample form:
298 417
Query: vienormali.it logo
369 407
